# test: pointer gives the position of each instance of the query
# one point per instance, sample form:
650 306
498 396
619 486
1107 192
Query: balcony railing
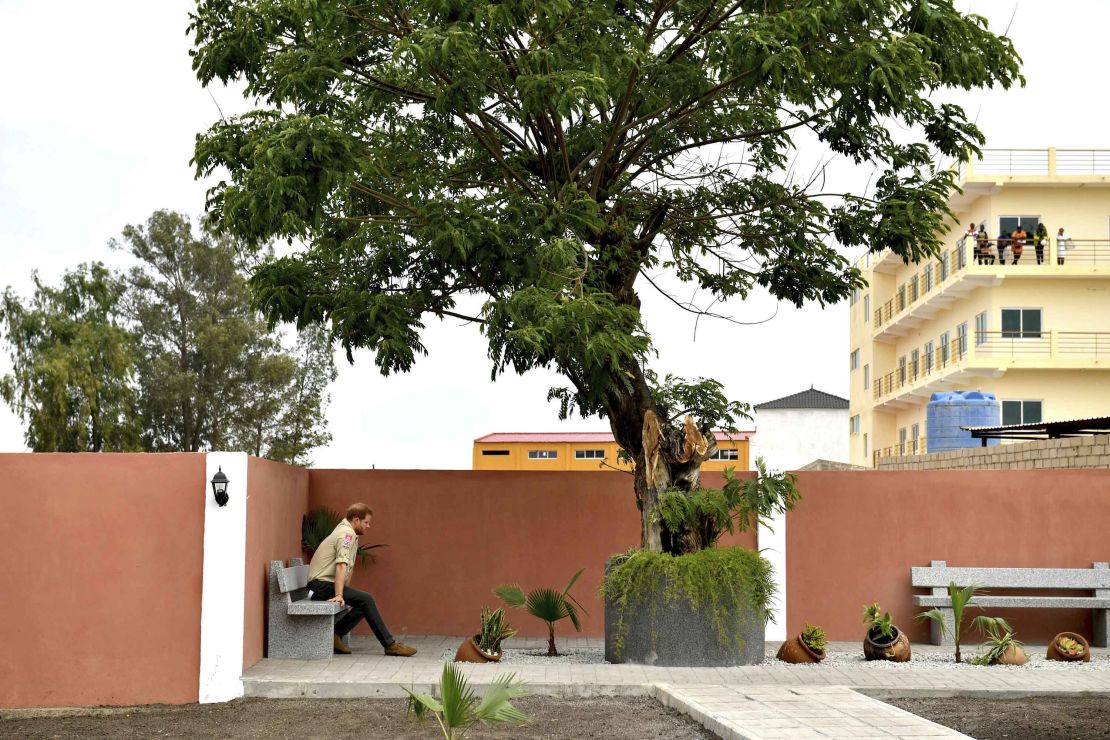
997 252
1041 162
909 447
992 346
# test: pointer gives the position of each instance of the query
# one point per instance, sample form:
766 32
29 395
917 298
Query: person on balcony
1062 241
1040 238
983 240
1017 243
969 237
329 577
1003 242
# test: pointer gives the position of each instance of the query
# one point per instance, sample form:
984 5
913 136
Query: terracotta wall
453 536
101 591
277 498
855 536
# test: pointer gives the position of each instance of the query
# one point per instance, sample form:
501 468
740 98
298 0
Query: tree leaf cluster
167 356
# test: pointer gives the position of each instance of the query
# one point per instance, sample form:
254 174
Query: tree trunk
551 651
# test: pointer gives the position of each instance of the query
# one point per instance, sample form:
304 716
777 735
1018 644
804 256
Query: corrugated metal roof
1044 429
808 399
503 437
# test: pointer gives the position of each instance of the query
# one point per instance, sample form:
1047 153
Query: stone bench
1095 579
299 627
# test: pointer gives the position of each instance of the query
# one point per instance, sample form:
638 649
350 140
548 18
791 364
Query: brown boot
401 650
340 647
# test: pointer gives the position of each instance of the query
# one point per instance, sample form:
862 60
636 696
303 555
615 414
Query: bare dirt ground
1042 718
562 719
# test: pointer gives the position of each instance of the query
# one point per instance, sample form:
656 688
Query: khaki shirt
341 546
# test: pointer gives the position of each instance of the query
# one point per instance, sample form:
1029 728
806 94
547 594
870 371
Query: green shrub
732 584
815 638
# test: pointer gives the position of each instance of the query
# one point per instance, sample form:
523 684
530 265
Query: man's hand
338 600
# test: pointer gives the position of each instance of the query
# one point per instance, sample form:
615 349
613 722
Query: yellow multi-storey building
584 451
1035 333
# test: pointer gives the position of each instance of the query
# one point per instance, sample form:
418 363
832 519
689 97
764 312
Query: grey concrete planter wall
668 632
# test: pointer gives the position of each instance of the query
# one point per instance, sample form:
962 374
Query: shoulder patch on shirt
347 539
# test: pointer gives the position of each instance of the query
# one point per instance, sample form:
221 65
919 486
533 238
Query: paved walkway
748 702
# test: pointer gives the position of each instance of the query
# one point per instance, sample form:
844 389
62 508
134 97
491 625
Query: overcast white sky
99 108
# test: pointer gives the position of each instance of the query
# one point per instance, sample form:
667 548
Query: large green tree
169 356
552 156
72 364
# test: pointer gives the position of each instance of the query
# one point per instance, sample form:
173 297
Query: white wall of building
788 439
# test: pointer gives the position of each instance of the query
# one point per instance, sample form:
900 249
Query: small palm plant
998 637
459 710
961 599
546 604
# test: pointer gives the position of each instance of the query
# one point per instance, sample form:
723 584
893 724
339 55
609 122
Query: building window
927 277
902 370
853 424
945 339
854 359
902 441
981 329
495 452
961 339
915 439
866 377
1022 412
1021 323
865 444
854 298
915 364
942 270
542 454
867 308
928 357
913 289
725 455
589 454
902 297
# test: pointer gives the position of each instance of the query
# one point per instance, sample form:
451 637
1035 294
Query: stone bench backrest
291 581
938 575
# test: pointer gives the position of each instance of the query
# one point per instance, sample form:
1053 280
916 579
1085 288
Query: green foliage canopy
549 155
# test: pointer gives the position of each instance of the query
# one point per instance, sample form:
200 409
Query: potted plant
458 710
1002 648
547 604
318 524
697 604
1069 647
808 647
884 641
485 647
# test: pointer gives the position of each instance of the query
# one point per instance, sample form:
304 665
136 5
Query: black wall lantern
219 487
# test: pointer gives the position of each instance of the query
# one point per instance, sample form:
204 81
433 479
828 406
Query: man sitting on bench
329 577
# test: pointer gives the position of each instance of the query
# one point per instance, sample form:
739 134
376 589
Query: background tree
73 364
551 156
212 375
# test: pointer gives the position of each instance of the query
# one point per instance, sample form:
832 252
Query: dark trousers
362 606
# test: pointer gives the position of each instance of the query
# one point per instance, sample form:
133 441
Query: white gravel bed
933 659
517 656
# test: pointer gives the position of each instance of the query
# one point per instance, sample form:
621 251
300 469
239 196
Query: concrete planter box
668 632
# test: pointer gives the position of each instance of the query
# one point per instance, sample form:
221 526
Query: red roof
583 436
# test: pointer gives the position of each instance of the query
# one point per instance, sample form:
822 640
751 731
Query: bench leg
936 635
303 637
1102 627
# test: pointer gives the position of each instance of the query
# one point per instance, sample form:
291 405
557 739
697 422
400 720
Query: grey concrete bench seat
299 627
1095 579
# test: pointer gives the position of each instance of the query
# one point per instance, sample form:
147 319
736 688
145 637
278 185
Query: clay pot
1013 655
796 651
897 650
1056 654
469 652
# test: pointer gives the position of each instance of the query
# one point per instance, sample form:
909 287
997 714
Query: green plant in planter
998 637
458 710
815 638
495 630
322 521
726 581
961 598
547 604
878 626
1070 647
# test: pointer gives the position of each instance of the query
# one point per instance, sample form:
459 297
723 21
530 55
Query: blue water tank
950 410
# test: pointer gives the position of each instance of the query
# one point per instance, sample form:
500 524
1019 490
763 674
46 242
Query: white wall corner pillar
224 580
772 545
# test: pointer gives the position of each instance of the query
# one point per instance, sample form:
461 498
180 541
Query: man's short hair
359 511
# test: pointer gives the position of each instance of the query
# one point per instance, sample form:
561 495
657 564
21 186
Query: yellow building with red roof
585 451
